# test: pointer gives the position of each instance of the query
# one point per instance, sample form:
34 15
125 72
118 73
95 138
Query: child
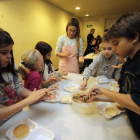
46 50
31 70
124 35
101 65
69 47
11 88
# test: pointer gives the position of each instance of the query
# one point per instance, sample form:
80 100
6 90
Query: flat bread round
21 131
70 88
119 106
64 98
115 85
111 111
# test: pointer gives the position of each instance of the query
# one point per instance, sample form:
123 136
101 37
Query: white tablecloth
69 125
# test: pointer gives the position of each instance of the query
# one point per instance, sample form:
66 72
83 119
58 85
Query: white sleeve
59 44
80 52
45 74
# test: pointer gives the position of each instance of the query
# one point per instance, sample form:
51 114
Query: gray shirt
102 66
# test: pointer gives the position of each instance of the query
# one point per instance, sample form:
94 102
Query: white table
69 125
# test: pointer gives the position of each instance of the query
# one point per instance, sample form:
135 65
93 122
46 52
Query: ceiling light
87 15
77 8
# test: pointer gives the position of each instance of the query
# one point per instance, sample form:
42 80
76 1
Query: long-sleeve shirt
102 66
68 42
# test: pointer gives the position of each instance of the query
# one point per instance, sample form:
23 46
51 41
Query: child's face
72 30
48 55
107 49
93 42
123 47
5 56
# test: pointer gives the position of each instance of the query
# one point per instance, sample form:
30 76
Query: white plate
102 107
68 85
63 94
115 89
36 132
29 122
41 134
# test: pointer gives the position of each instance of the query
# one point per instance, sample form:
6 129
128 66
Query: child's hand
51 96
53 87
36 95
53 80
121 59
116 67
83 85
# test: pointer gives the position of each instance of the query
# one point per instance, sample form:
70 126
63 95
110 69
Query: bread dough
119 106
21 131
115 85
120 65
70 88
64 98
54 86
111 111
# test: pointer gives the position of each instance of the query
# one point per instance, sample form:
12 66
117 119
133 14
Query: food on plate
21 131
120 65
64 98
50 97
111 111
47 93
70 88
119 106
114 84
54 86
114 90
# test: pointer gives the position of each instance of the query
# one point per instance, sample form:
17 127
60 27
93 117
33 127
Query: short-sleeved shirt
130 84
34 80
68 42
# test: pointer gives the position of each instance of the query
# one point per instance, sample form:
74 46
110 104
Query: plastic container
70 85
102 107
102 79
80 107
35 131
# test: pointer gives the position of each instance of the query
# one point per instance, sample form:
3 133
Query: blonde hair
28 61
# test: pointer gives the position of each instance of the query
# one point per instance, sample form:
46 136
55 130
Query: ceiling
97 8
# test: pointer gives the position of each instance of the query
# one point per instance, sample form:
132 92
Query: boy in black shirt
124 35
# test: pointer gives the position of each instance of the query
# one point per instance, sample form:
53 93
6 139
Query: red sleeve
35 82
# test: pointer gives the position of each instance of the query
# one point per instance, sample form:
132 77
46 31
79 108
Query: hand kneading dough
64 98
111 111
21 131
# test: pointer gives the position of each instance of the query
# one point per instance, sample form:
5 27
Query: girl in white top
49 74
69 47
11 88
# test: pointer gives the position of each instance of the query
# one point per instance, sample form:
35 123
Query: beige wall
30 21
98 23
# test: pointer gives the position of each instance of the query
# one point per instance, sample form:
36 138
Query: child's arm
33 97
